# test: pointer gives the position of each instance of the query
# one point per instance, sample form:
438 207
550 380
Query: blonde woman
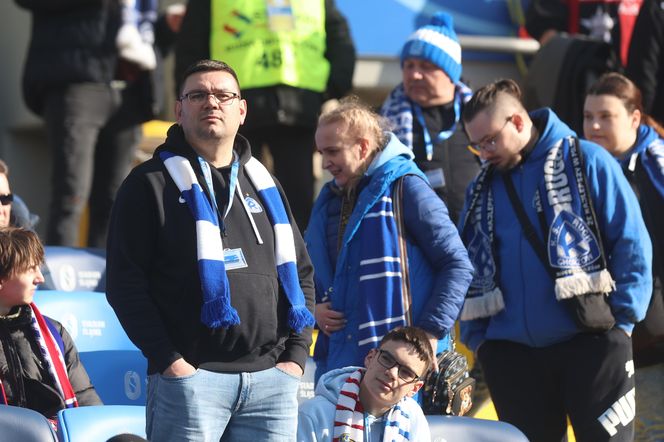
365 286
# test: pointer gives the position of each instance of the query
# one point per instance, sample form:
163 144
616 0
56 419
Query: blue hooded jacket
440 271
532 316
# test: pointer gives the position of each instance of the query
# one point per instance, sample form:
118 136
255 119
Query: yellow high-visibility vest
270 42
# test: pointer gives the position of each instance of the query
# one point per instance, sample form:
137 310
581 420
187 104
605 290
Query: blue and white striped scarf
398 108
571 234
217 310
380 275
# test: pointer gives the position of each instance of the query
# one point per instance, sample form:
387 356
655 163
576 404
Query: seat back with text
74 269
25 425
100 422
307 384
468 429
116 367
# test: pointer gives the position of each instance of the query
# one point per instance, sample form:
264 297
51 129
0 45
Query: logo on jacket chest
253 205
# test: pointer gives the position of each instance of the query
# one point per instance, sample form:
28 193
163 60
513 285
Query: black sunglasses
6 199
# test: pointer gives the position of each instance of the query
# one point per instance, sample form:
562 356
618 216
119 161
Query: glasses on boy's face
488 143
6 199
224 98
387 361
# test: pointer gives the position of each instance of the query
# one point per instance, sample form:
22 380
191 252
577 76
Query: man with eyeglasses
426 107
562 272
291 57
210 277
374 403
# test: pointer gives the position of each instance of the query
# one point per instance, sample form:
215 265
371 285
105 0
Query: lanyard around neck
443 135
205 167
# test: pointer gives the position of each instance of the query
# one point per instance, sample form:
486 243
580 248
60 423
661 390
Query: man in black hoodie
224 346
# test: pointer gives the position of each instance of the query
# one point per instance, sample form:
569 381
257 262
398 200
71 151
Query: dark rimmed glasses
387 361
489 142
6 199
199 97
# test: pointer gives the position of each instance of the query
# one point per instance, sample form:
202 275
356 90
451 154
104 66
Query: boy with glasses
374 403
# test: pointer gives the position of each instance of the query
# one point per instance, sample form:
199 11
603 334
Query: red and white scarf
349 415
52 357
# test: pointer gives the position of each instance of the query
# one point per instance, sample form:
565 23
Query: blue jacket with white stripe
440 271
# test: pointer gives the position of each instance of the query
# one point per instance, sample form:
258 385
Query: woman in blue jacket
363 287
614 118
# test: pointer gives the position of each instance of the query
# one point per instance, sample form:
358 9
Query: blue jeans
212 407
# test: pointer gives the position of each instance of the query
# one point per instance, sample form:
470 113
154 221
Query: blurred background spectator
645 66
289 60
91 75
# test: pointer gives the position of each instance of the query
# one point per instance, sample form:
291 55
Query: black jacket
543 15
269 106
648 336
25 379
645 65
153 281
73 41
458 164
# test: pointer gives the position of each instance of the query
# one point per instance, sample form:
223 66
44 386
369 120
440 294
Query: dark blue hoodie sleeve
428 225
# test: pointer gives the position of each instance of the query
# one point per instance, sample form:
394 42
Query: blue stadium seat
116 367
100 423
468 429
74 269
25 425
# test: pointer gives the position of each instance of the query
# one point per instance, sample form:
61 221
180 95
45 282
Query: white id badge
436 177
234 259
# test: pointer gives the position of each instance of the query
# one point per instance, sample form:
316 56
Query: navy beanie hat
436 43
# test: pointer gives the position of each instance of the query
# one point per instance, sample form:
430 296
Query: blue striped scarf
217 310
571 234
380 275
398 108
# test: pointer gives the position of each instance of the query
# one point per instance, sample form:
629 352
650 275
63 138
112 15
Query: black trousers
93 146
589 378
292 150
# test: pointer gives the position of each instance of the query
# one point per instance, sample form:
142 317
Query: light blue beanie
437 43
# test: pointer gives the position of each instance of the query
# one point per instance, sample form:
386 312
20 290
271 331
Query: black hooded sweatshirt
153 279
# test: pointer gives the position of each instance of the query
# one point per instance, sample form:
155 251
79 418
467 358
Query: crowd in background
537 229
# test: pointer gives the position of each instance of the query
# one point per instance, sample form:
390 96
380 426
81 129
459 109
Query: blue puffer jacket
440 271
532 316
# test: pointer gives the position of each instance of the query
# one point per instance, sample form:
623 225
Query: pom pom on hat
437 43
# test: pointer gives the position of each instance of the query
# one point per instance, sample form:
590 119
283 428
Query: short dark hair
417 338
206 66
486 97
20 249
